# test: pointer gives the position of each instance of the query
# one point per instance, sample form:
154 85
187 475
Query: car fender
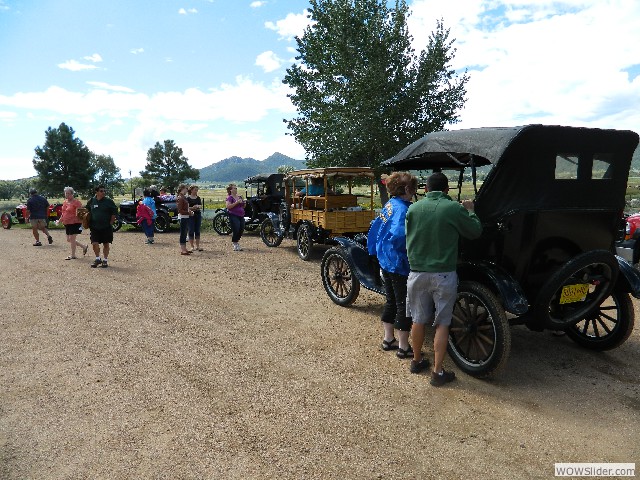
629 281
360 263
509 290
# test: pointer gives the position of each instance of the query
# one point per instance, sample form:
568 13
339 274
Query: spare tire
597 269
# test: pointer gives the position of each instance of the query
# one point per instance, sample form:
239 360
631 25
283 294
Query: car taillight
627 228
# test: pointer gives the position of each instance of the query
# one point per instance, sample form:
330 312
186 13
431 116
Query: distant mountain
236 169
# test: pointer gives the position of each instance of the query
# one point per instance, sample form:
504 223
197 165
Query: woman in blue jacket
388 236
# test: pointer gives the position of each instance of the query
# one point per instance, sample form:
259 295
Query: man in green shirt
434 226
103 214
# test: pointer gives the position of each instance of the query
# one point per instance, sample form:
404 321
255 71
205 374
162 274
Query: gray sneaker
104 264
439 379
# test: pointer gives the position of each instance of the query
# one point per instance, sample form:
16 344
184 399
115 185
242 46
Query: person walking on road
184 214
195 221
434 227
103 213
72 224
37 210
235 208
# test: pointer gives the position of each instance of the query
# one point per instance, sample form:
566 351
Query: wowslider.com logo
595 469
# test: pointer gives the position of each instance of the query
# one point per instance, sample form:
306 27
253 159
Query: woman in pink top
235 209
71 221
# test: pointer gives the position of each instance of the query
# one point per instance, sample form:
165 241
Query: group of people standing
416 245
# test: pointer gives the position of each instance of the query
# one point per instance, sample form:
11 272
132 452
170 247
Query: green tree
285 169
8 189
63 161
107 174
361 92
167 166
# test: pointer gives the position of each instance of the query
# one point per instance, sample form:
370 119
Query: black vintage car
166 210
551 208
263 194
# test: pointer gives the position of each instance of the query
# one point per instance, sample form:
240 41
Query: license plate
574 293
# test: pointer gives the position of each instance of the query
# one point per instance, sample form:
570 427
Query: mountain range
235 169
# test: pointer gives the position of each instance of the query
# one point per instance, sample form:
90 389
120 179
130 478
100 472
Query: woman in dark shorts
72 224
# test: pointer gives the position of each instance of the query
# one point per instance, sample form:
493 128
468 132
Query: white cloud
257 4
114 88
541 62
209 125
269 61
95 58
290 26
137 51
76 66
182 11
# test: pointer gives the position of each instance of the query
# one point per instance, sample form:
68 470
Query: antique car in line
551 207
20 215
263 194
166 210
319 219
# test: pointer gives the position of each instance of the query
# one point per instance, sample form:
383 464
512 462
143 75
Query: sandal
70 258
389 345
402 353
84 250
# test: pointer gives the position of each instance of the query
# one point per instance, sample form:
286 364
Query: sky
208 73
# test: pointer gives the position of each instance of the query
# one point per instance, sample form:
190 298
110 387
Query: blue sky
208 73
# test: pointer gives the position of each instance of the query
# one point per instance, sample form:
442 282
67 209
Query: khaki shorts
431 297
38 222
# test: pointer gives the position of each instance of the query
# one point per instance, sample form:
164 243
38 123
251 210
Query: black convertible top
527 172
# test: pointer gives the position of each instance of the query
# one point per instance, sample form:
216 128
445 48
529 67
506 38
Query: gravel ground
236 365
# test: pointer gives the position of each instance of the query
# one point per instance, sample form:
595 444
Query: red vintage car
21 216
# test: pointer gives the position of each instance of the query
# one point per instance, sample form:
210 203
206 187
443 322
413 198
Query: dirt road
235 365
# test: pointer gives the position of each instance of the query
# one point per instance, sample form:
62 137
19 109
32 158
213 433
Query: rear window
570 165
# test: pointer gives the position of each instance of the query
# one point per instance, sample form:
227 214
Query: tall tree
361 92
167 166
64 160
107 173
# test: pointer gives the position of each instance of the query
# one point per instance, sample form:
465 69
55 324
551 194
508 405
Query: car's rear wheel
608 326
479 336
269 235
162 223
6 220
339 281
305 242
596 271
222 224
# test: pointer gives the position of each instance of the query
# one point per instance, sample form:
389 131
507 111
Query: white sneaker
235 247
239 248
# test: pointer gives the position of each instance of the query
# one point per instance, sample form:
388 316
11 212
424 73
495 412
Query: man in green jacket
434 226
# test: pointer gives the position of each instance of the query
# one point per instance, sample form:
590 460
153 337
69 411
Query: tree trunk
384 195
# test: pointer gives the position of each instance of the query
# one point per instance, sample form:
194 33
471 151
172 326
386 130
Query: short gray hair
69 189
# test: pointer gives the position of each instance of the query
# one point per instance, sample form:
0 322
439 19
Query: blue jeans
148 229
237 227
194 226
184 228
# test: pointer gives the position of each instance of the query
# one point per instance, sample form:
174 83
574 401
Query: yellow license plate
574 293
